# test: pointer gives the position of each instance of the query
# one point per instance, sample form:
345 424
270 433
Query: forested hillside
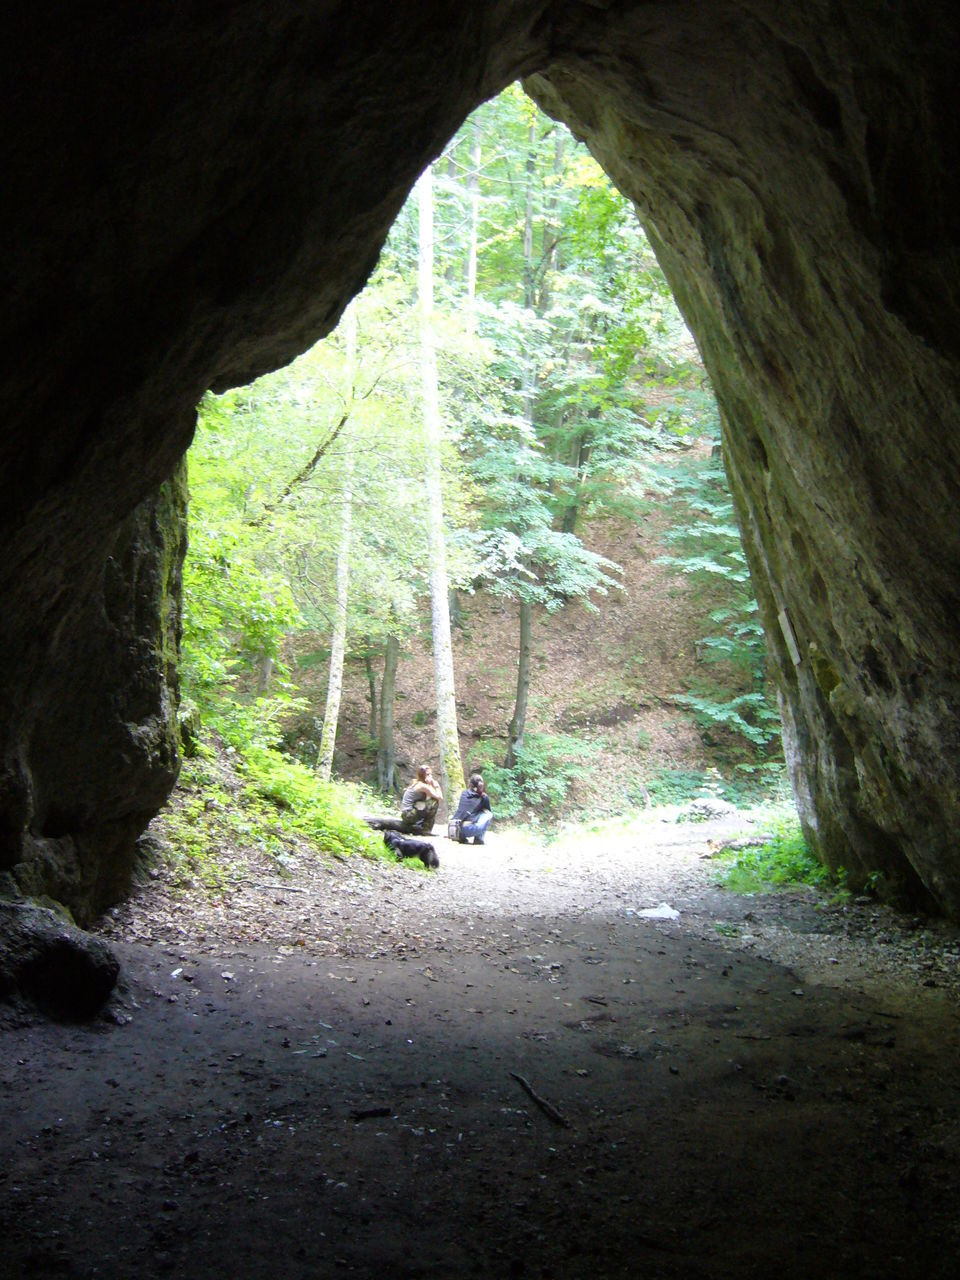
504 466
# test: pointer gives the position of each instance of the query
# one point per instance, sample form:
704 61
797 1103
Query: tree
328 734
448 738
739 699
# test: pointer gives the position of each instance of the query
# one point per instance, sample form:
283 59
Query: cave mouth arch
273 453
197 200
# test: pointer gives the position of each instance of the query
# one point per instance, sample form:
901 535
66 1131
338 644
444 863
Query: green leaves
714 559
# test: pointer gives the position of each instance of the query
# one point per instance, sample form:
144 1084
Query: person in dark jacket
473 814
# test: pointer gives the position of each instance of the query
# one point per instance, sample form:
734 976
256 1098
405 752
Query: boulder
49 963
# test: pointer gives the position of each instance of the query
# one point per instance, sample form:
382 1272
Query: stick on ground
548 1109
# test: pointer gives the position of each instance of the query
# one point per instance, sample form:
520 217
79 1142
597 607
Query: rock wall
201 188
801 201
100 747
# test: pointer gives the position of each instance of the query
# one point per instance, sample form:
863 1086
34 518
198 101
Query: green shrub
322 811
672 786
547 765
783 861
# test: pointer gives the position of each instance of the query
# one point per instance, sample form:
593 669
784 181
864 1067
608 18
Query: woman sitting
473 814
420 802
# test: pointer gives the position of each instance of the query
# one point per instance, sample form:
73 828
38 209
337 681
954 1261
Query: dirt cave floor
498 1069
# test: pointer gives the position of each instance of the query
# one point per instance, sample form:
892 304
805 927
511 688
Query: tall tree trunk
473 187
338 643
529 284
448 738
386 758
371 692
579 459
552 229
515 729
518 723
455 607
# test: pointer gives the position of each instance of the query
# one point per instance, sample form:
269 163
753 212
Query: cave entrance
195 201
210 205
607 657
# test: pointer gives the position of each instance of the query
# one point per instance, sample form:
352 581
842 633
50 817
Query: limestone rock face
200 189
102 748
800 199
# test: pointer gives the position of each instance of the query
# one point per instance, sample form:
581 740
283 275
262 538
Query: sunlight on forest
404 545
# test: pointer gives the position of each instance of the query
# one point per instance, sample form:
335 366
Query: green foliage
752 715
277 799
782 862
762 782
323 811
194 828
235 611
710 555
672 786
547 765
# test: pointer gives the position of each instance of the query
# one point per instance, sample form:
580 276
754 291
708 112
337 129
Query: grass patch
783 862
261 802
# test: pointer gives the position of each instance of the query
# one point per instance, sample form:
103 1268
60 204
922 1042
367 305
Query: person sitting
473 814
418 807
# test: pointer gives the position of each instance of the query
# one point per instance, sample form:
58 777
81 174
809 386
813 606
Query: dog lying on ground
411 847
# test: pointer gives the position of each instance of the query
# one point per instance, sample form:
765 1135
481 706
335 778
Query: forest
508 446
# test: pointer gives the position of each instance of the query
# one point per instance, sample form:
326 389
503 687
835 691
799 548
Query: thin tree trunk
338 644
386 758
455 607
371 692
529 289
529 284
552 229
518 723
448 738
515 729
264 672
581 456
473 187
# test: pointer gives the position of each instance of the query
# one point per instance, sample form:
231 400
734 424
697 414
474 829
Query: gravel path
369 908
501 1069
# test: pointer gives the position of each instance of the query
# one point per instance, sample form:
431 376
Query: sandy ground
499 1069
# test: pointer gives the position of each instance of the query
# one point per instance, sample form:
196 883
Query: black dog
411 847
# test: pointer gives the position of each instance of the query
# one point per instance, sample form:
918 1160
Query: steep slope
604 678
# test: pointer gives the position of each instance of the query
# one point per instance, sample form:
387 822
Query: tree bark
473 187
552 229
338 644
448 738
518 723
264 672
529 283
386 758
371 693
581 456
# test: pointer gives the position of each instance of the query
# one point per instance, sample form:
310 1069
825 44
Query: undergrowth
746 786
782 862
252 796
547 765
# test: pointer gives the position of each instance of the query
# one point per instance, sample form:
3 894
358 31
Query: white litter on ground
662 912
